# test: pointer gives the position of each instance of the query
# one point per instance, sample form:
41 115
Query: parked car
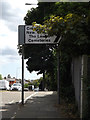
4 85
36 89
16 86
26 89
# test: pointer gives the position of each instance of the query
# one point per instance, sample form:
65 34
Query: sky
12 13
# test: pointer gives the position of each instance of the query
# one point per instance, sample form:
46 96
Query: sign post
26 35
22 75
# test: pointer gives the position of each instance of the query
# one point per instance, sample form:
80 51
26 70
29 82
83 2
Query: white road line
28 97
24 102
11 102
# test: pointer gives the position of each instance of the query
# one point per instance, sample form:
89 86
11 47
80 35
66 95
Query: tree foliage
40 58
39 14
0 77
67 20
73 28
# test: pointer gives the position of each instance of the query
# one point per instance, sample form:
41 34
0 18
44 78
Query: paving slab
41 105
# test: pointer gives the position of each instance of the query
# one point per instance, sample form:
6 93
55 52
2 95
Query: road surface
9 97
9 102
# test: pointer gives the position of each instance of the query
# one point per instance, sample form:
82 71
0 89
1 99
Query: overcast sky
12 13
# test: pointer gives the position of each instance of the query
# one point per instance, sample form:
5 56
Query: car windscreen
16 84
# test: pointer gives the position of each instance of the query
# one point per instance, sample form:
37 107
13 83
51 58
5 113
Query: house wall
88 92
76 78
80 69
86 89
12 82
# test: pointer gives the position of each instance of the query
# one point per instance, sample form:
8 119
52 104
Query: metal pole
58 76
43 80
22 75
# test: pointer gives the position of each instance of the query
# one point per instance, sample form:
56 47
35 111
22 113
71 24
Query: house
11 81
26 81
18 80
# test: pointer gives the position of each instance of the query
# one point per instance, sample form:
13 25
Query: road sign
21 34
26 35
32 37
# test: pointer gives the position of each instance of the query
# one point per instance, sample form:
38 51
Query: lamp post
17 72
23 65
30 4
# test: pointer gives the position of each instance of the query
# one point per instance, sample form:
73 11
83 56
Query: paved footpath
40 105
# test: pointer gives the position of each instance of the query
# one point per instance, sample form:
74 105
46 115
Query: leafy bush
68 94
26 85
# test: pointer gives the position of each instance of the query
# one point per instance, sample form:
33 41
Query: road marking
24 102
12 117
11 102
28 97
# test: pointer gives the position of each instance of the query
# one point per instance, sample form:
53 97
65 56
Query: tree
40 57
78 29
39 54
70 21
0 77
72 25
39 14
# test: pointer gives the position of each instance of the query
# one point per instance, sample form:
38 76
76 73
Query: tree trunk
43 85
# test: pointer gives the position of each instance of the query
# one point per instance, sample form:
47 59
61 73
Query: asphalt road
9 97
9 102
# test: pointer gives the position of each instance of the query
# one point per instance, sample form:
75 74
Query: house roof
10 79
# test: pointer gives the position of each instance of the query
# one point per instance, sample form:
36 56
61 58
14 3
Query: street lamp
35 4
17 72
22 48
30 4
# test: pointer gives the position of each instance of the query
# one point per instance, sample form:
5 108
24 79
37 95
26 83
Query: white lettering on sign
32 37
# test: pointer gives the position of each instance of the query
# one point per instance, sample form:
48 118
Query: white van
4 85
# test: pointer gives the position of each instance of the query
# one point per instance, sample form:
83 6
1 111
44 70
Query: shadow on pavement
41 106
8 110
